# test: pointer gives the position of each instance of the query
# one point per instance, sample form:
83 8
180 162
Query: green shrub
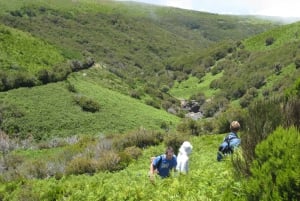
297 62
133 152
125 159
175 140
87 104
153 103
269 41
291 111
207 127
135 94
246 100
109 161
81 165
140 138
275 170
224 119
189 126
263 118
35 169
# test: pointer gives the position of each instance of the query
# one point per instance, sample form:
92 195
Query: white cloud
281 8
284 8
186 4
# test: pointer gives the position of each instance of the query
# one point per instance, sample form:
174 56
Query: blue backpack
228 145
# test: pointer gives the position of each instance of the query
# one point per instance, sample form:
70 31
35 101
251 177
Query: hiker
183 157
163 164
230 142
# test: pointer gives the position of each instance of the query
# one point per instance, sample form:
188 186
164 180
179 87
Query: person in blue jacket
163 164
230 142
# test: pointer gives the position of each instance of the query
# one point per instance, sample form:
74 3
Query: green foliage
23 57
205 181
52 106
193 85
223 120
189 126
282 34
297 62
87 104
135 41
133 152
141 138
269 41
294 90
263 117
25 52
275 172
81 165
175 140
291 111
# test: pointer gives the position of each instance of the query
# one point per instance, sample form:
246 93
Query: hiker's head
235 126
169 153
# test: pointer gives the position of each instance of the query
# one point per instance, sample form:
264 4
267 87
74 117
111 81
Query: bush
291 111
189 126
175 140
246 100
133 152
153 103
109 161
275 171
81 165
297 62
35 169
263 118
140 138
269 41
87 104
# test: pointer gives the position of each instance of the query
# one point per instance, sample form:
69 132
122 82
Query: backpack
155 167
227 146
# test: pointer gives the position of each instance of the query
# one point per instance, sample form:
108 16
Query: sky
280 8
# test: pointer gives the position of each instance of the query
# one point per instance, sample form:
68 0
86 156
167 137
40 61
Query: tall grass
206 180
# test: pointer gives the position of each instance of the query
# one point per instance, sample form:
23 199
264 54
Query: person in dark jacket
230 142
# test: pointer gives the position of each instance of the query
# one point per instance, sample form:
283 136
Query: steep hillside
54 111
22 56
137 42
262 66
142 51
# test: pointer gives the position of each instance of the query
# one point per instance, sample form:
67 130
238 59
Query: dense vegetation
90 90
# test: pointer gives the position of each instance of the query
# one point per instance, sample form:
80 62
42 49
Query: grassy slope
207 180
20 51
49 110
284 50
115 37
191 86
259 62
282 35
